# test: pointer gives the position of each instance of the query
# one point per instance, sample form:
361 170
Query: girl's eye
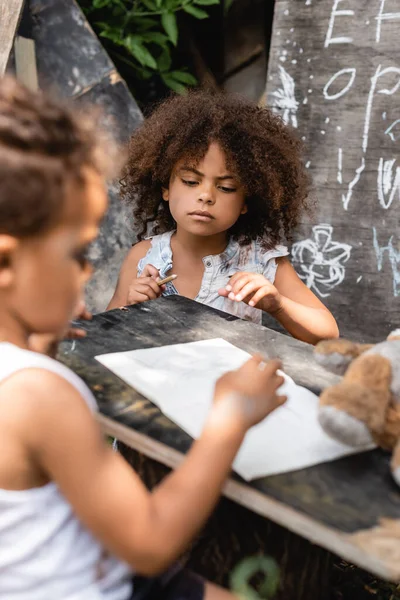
82 257
227 190
190 182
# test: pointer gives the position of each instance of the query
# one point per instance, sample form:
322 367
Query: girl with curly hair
219 183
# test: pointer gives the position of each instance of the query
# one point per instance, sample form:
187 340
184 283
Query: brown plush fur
344 347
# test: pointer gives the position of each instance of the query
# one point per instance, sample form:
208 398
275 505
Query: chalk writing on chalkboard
394 259
388 182
285 98
320 260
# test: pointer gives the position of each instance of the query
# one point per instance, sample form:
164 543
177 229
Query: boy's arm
127 273
300 311
149 531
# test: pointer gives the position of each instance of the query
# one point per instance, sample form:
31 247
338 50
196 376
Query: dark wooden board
72 61
349 495
348 49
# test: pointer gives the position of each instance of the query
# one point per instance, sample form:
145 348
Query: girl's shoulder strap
14 359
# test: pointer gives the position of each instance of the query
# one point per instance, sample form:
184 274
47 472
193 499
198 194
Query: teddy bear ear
394 335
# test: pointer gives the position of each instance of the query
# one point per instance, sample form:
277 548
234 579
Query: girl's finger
150 271
247 289
265 290
234 279
148 291
223 292
74 333
241 281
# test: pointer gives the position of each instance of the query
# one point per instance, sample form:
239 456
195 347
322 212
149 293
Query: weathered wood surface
10 13
325 504
334 74
72 61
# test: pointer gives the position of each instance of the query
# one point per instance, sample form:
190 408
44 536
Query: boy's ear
8 246
244 209
165 194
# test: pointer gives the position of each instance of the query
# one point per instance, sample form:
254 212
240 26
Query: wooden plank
334 75
327 499
10 13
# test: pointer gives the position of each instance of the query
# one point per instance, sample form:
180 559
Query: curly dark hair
44 146
263 152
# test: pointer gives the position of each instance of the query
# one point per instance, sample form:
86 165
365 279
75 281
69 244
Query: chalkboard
334 74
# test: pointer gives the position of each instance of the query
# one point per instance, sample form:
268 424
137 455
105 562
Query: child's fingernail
251 303
228 288
231 296
238 297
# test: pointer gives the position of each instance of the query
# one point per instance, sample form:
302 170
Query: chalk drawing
388 182
359 278
393 255
305 101
383 17
327 120
340 166
308 164
320 260
337 13
352 72
391 131
347 197
386 91
285 99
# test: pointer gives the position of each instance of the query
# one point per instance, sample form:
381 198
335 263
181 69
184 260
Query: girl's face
44 280
205 199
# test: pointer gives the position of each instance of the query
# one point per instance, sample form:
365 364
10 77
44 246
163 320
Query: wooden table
337 506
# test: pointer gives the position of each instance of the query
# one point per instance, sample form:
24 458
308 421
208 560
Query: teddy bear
363 409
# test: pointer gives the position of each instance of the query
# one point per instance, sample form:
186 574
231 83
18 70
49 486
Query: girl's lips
201 216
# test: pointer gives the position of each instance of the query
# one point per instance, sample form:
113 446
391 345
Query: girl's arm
299 311
148 530
288 300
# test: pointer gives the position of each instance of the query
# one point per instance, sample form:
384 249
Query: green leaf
227 5
111 34
150 5
140 52
195 12
142 23
183 77
100 3
207 2
168 20
154 37
164 61
159 3
174 85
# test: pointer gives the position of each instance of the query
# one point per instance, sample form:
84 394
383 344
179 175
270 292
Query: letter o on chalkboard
351 73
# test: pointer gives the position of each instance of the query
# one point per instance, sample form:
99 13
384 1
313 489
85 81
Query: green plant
144 34
240 579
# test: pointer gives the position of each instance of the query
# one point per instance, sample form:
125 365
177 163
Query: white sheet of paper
180 380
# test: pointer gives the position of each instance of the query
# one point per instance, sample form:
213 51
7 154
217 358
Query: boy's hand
249 394
253 289
145 287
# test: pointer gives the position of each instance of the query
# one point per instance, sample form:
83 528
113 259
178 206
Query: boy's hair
44 146
262 151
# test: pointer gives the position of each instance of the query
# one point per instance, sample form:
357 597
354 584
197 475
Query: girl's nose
206 195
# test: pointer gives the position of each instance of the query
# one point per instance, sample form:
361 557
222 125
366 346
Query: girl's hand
253 289
145 287
247 395
47 343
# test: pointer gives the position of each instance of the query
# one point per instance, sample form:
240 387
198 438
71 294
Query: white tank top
45 552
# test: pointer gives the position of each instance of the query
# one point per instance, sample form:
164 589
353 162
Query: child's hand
248 395
47 343
253 289
145 287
